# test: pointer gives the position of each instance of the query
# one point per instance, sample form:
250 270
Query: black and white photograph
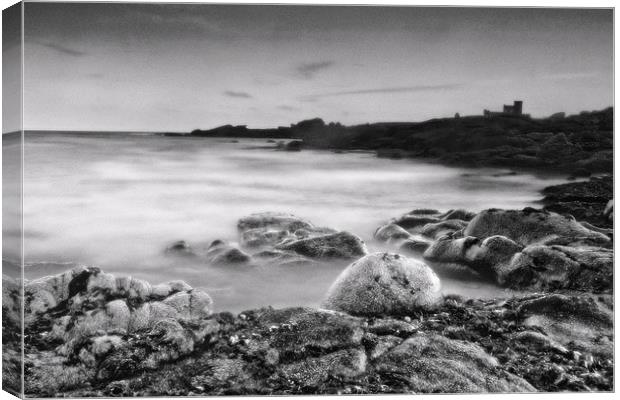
210 199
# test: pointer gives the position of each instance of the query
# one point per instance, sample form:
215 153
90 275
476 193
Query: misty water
117 201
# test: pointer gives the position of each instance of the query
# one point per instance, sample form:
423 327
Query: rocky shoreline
383 326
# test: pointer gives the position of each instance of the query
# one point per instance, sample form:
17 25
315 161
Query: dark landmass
383 326
579 144
586 201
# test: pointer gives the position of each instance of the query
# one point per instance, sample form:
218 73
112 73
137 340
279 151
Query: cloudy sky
179 66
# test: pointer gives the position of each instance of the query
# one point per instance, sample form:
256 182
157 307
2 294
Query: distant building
515 109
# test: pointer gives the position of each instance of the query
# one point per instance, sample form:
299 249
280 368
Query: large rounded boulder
383 284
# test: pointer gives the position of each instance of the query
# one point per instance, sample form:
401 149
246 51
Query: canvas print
235 199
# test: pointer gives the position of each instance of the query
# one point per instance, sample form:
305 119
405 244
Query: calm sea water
117 201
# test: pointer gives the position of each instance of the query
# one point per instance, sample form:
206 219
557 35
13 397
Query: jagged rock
342 245
559 267
493 254
393 327
310 372
221 253
458 214
531 226
449 250
538 341
412 221
296 331
439 229
433 363
579 321
416 245
383 284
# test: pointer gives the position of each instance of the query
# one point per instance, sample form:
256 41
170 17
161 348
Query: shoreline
92 333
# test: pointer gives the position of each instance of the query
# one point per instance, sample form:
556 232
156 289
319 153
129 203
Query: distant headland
580 144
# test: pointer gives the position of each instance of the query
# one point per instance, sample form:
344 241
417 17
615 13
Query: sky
178 67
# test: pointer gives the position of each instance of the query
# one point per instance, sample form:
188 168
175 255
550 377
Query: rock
391 233
557 148
433 363
282 258
415 245
458 214
424 211
180 248
260 237
312 371
585 200
383 284
449 250
609 210
439 229
393 327
274 221
382 344
579 321
343 245
412 221
295 331
559 267
221 253
538 341
531 226
294 145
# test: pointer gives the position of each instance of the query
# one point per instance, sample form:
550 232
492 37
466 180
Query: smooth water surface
117 201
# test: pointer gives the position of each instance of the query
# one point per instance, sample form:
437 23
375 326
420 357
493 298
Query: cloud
62 49
309 70
396 89
239 95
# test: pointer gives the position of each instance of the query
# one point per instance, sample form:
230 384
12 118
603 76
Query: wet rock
274 221
424 211
282 258
180 248
312 371
439 229
559 267
297 331
343 245
415 245
393 327
531 226
412 221
538 341
382 344
449 250
391 233
580 321
221 253
260 237
383 284
458 214
433 363
494 253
